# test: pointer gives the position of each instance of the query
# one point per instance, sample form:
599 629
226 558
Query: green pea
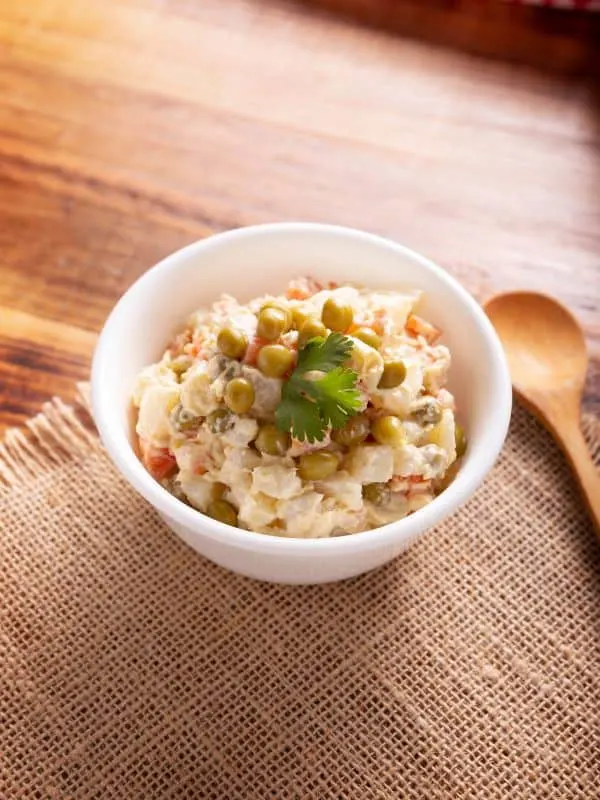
368 336
232 343
184 420
283 308
272 441
377 493
271 323
274 360
298 318
222 511
180 365
310 330
394 373
220 420
444 482
460 440
388 430
239 395
218 490
427 411
354 431
317 466
337 316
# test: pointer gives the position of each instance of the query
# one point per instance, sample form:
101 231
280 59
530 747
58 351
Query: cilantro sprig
320 392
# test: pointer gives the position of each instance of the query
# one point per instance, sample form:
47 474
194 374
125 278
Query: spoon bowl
547 358
544 343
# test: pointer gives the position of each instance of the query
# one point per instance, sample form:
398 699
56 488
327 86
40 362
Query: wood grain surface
561 40
129 128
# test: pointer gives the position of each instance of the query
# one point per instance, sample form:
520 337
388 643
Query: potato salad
320 412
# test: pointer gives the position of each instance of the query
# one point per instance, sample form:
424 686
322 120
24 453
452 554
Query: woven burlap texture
134 668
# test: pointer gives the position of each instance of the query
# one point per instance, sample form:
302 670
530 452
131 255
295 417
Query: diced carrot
417 479
377 323
252 351
296 293
302 289
418 326
159 461
194 348
200 470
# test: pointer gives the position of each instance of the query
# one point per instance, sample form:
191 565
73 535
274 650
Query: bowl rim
466 482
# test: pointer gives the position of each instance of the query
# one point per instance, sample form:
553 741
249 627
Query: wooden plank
41 332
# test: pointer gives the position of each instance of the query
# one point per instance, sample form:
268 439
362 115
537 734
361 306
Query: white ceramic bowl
258 260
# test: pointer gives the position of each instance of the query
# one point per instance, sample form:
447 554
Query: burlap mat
133 668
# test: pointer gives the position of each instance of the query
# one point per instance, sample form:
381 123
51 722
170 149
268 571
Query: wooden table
129 128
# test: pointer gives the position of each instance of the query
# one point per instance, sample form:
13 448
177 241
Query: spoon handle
588 476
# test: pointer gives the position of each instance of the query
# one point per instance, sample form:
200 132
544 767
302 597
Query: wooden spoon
547 358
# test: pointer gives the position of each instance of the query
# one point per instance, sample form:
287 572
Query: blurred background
468 130
535 32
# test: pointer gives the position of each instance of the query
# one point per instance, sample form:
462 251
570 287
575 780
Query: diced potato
371 463
196 488
156 374
242 319
237 460
367 362
443 435
257 510
197 395
277 481
348 521
343 489
446 399
244 431
413 432
429 461
398 400
240 488
303 516
435 373
395 307
236 468
156 404
190 455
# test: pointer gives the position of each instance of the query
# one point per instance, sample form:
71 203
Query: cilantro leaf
338 397
301 418
309 406
324 354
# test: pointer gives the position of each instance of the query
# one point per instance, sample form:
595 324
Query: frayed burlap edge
59 433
